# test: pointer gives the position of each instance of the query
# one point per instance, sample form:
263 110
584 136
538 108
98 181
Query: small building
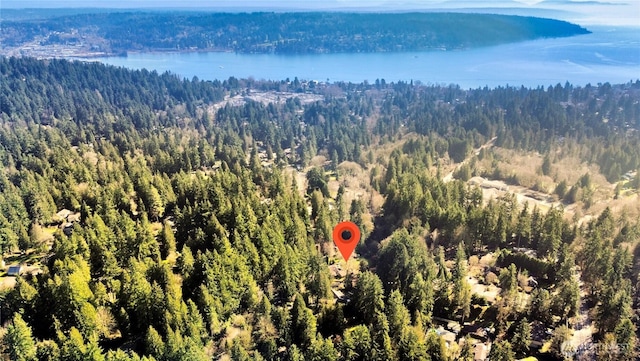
339 295
67 229
74 217
451 325
62 214
448 336
14 271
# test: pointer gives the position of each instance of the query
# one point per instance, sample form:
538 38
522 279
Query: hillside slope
283 33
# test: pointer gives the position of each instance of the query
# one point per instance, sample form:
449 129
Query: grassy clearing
30 257
525 168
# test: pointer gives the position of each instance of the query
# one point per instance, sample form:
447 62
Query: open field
264 98
537 189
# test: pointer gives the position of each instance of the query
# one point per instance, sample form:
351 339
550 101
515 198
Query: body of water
607 55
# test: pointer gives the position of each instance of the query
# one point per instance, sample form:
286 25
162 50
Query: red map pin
346 236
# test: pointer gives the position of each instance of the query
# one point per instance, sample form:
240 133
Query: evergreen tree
397 315
521 338
167 240
625 333
615 306
322 350
436 347
357 344
412 346
294 354
501 351
368 297
154 345
19 341
317 180
509 281
238 352
541 306
546 165
559 346
382 348
567 301
461 288
303 323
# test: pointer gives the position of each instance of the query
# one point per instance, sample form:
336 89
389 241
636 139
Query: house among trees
67 229
73 217
62 215
448 336
14 271
67 218
65 215
339 296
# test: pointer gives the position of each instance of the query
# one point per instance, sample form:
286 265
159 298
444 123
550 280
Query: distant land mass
116 33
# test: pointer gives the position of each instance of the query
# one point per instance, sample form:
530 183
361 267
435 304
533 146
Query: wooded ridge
157 220
282 33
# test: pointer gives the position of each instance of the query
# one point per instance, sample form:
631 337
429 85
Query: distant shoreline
36 53
117 34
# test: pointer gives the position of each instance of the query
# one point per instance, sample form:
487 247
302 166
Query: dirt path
584 328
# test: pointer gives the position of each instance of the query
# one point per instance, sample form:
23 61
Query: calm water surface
607 55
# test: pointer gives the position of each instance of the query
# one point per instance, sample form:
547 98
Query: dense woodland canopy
194 243
284 33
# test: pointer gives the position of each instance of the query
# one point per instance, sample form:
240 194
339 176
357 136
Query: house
451 325
629 175
339 295
448 336
14 270
67 229
66 216
73 217
63 214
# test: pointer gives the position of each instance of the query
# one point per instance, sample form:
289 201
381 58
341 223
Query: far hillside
282 33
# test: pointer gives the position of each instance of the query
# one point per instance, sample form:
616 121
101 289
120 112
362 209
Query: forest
283 33
156 221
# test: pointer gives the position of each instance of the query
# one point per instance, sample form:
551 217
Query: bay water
608 54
